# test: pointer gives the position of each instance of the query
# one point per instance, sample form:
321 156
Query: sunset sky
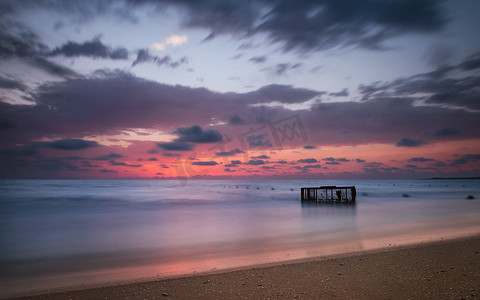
268 89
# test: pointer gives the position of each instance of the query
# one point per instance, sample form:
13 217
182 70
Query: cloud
339 160
447 132
255 162
283 93
233 163
307 160
173 40
195 134
158 46
258 140
13 84
308 147
317 25
420 159
451 86
176 146
342 93
26 46
114 163
57 164
109 101
108 156
281 69
466 159
205 163
71 144
406 142
291 25
176 40
258 59
94 48
261 157
143 56
236 120
229 153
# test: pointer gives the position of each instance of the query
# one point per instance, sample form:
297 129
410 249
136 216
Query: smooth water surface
98 231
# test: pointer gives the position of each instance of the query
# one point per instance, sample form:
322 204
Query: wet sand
439 270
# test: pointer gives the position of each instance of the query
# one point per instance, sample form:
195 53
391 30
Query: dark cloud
307 167
360 161
196 134
339 160
281 69
144 56
310 25
233 163
269 168
255 162
71 144
258 140
57 164
283 93
168 154
466 159
471 63
25 45
261 157
420 159
50 67
307 160
94 48
342 93
300 26
107 102
446 86
108 171
258 59
447 132
229 153
308 147
114 163
13 84
205 163
108 156
176 146
406 142
236 120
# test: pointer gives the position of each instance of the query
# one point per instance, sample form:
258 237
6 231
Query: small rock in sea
291 190
364 194
405 195
470 197
273 189
258 188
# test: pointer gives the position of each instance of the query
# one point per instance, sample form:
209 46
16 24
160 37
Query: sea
66 234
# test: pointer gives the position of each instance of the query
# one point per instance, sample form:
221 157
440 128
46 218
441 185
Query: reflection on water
90 231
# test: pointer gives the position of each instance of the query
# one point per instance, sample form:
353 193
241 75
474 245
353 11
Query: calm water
61 233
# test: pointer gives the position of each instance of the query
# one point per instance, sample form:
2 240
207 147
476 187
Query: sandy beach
447 269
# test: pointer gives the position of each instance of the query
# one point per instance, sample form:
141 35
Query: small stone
165 294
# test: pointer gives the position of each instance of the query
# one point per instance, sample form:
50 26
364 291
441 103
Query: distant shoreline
452 178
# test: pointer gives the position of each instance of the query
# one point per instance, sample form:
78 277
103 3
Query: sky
265 89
